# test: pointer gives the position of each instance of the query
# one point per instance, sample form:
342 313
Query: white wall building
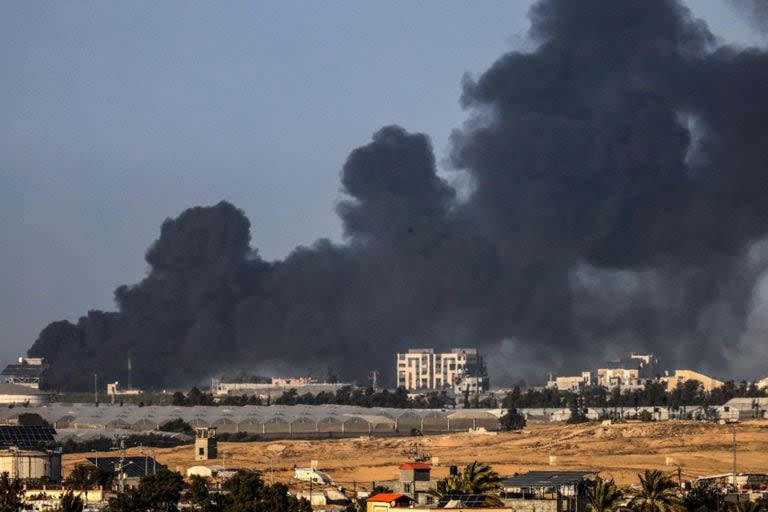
14 394
424 369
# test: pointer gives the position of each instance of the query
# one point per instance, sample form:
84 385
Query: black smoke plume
618 201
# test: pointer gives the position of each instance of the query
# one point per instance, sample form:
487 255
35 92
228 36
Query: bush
512 420
32 419
177 425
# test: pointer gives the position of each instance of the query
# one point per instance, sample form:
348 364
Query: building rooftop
387 497
26 437
545 479
416 465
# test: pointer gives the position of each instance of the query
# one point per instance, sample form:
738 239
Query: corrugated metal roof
544 479
387 497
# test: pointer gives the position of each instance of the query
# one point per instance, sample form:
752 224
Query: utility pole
733 481
374 376
96 388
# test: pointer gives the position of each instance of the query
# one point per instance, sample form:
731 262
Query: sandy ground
617 451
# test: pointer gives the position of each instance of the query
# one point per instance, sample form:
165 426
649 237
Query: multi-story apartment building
423 369
630 372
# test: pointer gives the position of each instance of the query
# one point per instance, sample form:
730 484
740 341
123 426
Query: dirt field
617 451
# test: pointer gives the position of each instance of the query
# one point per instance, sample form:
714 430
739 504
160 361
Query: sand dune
617 451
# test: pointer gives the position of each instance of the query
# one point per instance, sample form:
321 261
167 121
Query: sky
117 115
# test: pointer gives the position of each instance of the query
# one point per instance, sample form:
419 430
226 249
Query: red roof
386 497
416 465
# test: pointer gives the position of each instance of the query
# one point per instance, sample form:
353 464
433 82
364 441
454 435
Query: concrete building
762 383
114 390
546 491
681 376
573 383
461 370
415 481
14 394
273 389
206 446
28 372
631 372
29 453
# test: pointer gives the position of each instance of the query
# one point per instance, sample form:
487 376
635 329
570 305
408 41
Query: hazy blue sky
116 115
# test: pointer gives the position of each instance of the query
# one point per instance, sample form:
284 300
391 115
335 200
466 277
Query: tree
702 498
658 493
86 476
477 478
156 493
748 506
127 501
10 493
32 419
247 493
177 425
577 413
70 503
198 496
603 496
161 492
512 420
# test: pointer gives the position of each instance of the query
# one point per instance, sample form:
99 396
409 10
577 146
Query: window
406 488
201 451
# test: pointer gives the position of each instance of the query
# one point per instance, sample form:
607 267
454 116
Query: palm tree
658 493
477 478
748 506
603 496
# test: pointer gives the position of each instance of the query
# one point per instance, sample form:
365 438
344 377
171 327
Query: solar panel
466 500
27 437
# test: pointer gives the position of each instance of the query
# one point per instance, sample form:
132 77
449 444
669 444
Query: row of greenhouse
271 420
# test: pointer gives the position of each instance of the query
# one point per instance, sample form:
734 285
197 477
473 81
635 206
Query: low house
415 481
383 502
398 502
547 491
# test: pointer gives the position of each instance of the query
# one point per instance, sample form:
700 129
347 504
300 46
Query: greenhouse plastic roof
116 416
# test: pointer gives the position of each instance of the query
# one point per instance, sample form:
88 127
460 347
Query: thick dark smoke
618 202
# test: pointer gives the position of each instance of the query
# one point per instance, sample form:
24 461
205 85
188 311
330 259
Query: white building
574 383
14 394
461 369
28 372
